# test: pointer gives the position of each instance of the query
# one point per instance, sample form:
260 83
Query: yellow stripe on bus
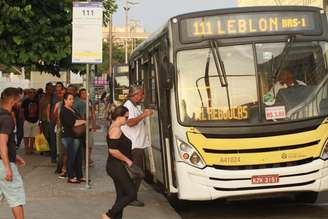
317 137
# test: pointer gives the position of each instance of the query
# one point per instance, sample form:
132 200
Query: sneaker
74 181
62 175
137 203
82 179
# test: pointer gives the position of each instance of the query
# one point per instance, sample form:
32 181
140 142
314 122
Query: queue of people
60 114
38 112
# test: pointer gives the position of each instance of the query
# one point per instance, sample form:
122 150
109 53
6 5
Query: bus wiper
207 82
219 63
220 68
284 54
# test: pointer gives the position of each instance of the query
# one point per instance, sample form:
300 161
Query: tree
36 34
118 57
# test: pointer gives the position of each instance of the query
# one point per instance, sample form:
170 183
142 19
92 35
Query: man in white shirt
135 129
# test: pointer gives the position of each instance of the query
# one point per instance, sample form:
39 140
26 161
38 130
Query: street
50 197
277 208
53 198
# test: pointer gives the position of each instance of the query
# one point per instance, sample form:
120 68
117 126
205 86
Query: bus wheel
306 197
177 203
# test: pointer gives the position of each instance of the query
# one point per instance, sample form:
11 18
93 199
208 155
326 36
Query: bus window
152 81
202 96
291 81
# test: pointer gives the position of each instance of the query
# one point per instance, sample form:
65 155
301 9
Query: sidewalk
51 198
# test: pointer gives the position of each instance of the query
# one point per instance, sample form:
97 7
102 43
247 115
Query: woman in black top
119 148
70 118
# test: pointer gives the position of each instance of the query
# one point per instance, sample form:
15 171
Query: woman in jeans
119 148
70 118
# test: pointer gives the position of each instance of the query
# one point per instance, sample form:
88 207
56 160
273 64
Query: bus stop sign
87 32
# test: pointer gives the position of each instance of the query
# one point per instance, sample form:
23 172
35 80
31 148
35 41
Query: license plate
265 179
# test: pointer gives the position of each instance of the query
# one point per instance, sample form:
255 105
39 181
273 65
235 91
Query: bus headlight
189 154
324 152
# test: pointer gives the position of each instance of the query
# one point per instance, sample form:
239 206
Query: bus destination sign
250 24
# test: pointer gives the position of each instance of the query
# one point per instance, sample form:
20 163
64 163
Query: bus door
155 160
160 159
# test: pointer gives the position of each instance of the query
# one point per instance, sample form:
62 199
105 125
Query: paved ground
52 198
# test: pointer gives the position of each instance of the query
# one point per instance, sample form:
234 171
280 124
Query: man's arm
14 118
4 156
134 121
20 161
48 112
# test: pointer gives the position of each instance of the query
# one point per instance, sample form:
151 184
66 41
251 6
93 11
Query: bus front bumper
210 183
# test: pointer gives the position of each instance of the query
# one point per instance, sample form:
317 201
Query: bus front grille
264 166
261 150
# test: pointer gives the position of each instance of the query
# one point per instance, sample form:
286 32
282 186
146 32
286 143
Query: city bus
240 100
120 83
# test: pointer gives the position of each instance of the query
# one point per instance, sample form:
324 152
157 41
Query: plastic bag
41 143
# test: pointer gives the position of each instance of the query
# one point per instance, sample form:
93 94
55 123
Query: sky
152 14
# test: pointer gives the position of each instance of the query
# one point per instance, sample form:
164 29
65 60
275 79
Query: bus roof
247 9
164 28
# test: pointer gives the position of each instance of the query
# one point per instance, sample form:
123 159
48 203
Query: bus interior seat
323 106
294 96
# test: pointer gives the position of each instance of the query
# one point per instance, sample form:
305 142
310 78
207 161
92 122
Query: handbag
79 131
41 143
134 171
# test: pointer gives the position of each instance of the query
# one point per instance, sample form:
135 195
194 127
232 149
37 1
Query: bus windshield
263 84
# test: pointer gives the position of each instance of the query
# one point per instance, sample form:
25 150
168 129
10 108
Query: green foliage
110 7
37 34
118 57
118 54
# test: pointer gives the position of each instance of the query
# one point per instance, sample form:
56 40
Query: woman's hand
79 122
129 162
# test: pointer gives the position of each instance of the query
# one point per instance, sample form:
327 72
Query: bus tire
306 197
176 203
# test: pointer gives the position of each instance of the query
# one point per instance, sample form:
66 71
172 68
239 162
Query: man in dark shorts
11 183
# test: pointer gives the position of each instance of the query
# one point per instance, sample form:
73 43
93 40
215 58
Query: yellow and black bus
241 102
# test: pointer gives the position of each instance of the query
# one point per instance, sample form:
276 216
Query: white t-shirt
137 133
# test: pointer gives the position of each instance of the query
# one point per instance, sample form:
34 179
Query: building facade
120 34
315 3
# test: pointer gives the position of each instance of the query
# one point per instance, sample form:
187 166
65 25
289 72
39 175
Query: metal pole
110 45
87 185
126 8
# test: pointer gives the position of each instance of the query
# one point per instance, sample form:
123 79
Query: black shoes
137 203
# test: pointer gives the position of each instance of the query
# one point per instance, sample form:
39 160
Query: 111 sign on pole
87 32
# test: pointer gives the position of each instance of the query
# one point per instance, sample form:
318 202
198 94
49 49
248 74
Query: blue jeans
75 154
